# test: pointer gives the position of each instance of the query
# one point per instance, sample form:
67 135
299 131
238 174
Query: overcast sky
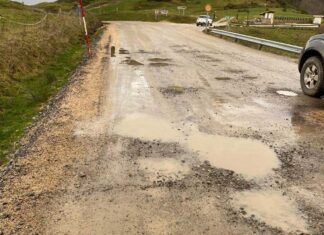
32 2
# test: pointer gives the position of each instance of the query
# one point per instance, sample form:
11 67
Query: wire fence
27 46
23 24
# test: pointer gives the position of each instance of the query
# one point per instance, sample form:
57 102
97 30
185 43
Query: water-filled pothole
271 207
248 157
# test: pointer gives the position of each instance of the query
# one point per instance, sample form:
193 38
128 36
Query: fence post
85 28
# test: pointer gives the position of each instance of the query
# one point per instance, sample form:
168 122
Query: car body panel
314 47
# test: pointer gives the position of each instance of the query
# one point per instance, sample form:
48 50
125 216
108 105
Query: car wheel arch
309 54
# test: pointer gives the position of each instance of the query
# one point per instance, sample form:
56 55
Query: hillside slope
311 6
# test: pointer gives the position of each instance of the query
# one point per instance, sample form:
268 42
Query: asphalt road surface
178 133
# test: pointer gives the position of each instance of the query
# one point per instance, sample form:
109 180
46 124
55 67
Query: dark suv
311 66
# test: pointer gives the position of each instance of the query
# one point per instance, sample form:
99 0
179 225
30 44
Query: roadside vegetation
293 36
35 62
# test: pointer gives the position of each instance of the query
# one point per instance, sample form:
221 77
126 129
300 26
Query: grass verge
35 62
18 111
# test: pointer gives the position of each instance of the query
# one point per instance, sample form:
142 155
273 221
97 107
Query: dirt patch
223 78
130 61
123 51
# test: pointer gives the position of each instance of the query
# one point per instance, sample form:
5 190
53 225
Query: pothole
231 70
248 157
177 90
130 61
223 78
123 51
159 64
250 77
147 52
159 60
147 127
270 207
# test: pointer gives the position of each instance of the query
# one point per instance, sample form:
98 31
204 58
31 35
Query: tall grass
35 62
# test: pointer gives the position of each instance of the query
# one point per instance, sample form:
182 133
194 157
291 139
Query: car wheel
312 77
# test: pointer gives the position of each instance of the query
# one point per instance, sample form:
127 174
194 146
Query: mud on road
179 133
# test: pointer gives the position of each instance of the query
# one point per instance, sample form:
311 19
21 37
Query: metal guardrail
259 41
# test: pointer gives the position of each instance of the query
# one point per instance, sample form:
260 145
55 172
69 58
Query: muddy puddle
163 169
270 207
147 127
247 157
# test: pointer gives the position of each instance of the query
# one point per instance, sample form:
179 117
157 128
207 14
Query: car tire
312 77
